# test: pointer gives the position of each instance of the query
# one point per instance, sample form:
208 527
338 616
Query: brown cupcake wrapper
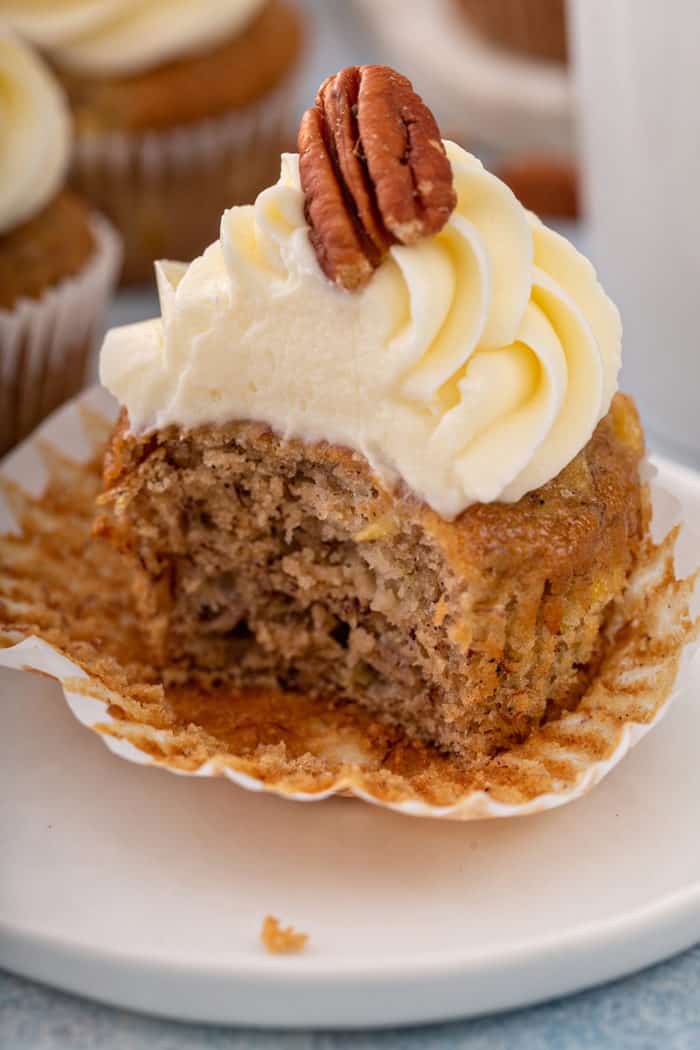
45 342
166 190
531 27
61 587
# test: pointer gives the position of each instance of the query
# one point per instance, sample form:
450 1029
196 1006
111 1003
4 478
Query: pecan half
373 170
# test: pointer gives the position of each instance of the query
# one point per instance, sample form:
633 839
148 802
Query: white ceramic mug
638 83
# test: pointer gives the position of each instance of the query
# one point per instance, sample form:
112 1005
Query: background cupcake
495 74
58 262
179 109
530 27
546 182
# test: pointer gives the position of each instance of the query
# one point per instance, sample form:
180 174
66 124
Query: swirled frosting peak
120 37
34 133
473 367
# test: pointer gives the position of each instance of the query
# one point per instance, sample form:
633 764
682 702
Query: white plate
147 890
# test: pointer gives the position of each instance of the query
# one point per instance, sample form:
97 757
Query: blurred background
509 101
178 110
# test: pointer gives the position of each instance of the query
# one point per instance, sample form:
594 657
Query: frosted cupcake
373 451
179 109
58 261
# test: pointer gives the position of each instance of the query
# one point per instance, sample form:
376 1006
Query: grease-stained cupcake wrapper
58 590
45 342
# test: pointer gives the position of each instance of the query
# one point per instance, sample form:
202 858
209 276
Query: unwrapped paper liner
64 612
45 342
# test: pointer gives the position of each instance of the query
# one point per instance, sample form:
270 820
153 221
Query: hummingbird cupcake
372 450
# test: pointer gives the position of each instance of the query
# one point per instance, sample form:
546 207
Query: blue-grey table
658 1009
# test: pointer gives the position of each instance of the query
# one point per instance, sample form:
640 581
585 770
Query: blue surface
655 1010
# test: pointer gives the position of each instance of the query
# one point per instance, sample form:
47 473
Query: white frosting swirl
474 365
34 133
120 37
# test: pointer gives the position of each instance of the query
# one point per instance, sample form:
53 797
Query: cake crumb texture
278 565
65 587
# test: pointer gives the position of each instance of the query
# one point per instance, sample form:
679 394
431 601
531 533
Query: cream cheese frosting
34 133
473 367
121 37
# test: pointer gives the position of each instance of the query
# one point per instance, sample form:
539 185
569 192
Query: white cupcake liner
45 342
165 189
39 595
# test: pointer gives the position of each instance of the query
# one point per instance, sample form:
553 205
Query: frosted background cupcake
179 108
58 262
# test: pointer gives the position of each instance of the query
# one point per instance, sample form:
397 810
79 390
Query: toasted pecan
373 170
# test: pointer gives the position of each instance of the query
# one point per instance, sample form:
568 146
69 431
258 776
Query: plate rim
296 997
672 906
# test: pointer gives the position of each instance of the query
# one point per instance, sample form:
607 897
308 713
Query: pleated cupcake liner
65 612
165 189
45 342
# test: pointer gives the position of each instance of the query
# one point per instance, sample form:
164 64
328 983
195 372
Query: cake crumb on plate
281 941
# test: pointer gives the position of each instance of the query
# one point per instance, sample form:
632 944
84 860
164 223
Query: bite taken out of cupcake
58 260
180 109
372 451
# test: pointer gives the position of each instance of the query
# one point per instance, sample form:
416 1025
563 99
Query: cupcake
179 109
58 261
372 451
536 28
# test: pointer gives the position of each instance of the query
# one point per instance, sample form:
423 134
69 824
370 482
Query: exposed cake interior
265 562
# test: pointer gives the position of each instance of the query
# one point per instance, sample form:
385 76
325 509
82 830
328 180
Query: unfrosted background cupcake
179 109
58 262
